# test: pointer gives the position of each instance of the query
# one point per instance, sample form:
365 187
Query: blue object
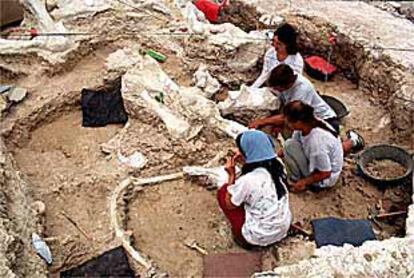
334 231
257 146
4 88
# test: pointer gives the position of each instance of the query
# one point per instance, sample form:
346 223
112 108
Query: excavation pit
66 169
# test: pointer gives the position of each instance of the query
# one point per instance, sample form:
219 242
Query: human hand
298 186
230 166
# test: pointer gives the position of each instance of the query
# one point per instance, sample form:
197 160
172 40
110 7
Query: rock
4 88
123 59
17 94
2 158
206 82
39 207
3 105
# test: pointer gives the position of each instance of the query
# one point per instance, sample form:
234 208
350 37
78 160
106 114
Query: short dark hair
281 76
296 111
288 35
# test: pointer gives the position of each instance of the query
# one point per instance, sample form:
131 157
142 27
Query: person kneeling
314 154
257 203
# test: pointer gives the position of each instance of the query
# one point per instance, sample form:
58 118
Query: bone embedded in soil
71 176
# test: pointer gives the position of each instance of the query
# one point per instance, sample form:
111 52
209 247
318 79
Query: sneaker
358 143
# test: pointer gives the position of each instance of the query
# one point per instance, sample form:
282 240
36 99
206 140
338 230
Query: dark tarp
103 106
113 263
334 231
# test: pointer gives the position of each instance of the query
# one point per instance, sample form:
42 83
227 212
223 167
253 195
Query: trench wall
17 222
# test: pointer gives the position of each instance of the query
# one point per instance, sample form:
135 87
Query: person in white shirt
288 86
314 155
257 203
283 51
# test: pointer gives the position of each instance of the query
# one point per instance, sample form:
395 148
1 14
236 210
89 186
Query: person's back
267 217
324 153
304 91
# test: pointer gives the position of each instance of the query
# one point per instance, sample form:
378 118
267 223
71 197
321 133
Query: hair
273 166
288 35
281 76
298 111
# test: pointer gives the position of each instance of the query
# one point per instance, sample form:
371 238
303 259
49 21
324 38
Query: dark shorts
334 122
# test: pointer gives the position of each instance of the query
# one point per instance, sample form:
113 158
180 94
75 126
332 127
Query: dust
385 169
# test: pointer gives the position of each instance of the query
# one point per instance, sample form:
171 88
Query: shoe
358 142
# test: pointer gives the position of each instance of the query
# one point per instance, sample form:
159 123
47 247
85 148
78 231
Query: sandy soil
66 167
244 16
385 169
70 174
165 216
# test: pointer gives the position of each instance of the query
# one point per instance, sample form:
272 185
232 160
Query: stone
17 94
3 105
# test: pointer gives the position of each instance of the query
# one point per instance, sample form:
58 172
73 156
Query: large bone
184 103
115 223
49 47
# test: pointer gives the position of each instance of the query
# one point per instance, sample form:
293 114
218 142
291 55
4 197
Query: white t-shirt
267 218
304 91
270 61
324 153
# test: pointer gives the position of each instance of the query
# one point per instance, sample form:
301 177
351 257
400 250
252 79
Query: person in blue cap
256 203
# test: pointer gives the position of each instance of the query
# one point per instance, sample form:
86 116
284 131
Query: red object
332 38
33 33
235 216
210 9
320 64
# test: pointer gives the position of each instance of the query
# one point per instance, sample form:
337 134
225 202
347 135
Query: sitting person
256 203
314 155
290 87
283 51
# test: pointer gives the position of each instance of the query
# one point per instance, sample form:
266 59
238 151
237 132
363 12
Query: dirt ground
70 174
67 170
242 15
65 165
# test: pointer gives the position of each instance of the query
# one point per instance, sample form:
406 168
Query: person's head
299 115
284 39
255 146
257 150
281 78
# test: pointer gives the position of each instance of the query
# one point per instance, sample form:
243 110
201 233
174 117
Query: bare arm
313 178
276 120
231 171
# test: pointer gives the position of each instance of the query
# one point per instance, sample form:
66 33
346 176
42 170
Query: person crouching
314 155
257 203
